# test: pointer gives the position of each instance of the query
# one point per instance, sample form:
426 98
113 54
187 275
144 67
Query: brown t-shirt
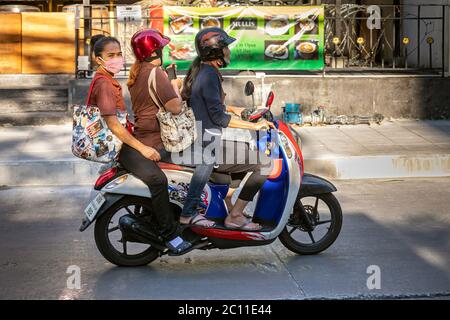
146 127
107 94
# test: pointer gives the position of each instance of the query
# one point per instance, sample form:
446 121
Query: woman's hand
236 110
238 123
150 153
172 71
263 124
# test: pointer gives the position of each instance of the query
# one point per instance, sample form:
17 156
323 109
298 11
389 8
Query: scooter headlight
285 142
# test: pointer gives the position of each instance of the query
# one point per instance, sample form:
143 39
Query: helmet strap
158 56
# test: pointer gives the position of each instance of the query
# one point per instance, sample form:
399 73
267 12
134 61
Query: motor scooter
296 207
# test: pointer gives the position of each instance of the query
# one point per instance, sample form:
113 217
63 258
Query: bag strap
152 89
91 87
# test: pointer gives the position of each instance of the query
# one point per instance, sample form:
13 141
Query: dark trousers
240 165
237 166
149 172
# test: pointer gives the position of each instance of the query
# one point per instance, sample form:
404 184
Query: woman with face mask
137 155
203 91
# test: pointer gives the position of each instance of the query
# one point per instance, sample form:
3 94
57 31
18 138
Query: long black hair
191 75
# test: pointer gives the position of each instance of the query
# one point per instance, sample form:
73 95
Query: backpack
178 131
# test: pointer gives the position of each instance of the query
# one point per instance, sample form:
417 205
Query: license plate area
95 205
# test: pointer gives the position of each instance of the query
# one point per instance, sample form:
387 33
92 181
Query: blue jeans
202 172
198 182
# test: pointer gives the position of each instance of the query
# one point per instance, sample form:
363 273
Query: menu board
268 38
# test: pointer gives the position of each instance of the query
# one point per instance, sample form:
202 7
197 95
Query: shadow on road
40 239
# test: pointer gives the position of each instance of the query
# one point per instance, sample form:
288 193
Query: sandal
247 215
198 222
244 226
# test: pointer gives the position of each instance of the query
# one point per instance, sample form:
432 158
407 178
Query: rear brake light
105 177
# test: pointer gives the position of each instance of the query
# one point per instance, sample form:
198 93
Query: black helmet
209 44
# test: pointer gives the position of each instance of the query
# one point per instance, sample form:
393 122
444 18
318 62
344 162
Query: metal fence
387 36
358 38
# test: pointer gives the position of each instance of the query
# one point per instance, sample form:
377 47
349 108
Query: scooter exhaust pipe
134 230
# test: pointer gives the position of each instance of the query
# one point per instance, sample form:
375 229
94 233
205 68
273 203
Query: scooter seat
215 178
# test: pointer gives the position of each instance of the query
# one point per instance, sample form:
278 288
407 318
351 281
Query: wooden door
10 43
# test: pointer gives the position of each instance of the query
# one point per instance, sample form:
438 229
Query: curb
383 166
74 171
42 172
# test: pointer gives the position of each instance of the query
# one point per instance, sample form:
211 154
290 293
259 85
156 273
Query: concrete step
36 118
380 166
35 170
34 104
43 92
41 155
34 99
25 104
13 81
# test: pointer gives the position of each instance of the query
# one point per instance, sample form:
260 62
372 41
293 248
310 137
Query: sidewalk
41 155
394 149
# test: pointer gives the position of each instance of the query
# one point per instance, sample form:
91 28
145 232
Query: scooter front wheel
325 215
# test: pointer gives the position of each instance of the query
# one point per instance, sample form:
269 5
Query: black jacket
206 101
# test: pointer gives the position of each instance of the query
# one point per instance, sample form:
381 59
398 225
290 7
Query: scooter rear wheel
107 224
299 239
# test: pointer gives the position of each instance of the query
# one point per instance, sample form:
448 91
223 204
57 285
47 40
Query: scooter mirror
249 88
270 99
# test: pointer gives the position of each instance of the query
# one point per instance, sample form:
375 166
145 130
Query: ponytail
134 71
191 75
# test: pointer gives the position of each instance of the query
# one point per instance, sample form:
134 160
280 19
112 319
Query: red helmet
147 41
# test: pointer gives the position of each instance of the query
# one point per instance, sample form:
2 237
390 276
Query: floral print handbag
91 138
178 131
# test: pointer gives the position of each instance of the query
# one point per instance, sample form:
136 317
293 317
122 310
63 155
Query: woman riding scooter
203 91
147 46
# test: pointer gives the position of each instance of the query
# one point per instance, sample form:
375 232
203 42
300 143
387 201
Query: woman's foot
228 197
197 221
229 205
241 223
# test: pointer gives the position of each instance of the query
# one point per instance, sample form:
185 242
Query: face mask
225 62
114 65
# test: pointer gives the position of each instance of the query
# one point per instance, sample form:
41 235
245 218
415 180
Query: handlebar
254 115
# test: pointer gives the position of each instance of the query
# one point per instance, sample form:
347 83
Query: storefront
380 35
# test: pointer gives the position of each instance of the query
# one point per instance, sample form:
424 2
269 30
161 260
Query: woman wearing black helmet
203 91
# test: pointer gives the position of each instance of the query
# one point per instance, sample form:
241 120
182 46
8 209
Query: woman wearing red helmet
147 46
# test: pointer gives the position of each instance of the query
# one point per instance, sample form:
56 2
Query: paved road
402 226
